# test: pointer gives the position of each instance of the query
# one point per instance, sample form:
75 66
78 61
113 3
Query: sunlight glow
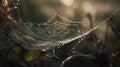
89 8
67 2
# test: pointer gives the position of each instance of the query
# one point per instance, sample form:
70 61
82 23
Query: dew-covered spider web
56 32
52 33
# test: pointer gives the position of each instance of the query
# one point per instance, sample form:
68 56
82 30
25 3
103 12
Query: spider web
53 30
51 33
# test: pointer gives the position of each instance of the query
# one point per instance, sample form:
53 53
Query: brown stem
93 34
114 29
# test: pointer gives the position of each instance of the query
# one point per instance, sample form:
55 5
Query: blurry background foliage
75 10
